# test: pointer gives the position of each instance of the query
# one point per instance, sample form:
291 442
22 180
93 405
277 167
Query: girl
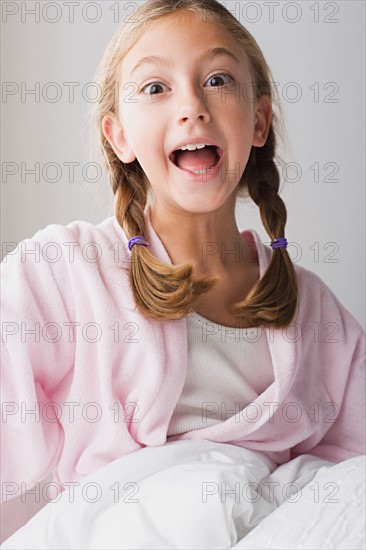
165 322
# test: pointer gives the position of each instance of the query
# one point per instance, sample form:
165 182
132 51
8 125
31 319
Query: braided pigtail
273 299
161 291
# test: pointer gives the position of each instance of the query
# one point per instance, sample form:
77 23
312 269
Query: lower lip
201 178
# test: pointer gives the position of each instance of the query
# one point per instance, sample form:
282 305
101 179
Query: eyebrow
209 54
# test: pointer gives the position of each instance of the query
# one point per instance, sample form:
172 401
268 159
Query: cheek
149 155
238 113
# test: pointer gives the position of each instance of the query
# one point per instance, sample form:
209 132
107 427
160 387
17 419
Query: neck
210 240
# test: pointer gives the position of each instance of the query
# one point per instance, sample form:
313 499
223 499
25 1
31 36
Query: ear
263 118
113 132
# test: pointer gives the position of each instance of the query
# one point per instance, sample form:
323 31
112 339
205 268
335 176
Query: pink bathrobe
87 379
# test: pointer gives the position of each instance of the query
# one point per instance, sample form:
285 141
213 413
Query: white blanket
202 494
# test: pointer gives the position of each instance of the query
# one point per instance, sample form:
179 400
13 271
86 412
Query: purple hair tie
281 242
137 240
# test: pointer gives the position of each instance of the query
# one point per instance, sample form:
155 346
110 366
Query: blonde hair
167 292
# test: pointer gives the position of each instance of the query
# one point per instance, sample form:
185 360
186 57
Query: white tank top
227 369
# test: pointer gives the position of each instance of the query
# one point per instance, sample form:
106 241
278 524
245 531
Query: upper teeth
193 146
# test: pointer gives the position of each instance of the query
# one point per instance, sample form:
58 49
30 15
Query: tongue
200 159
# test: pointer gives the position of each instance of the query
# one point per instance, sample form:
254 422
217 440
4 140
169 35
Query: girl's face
191 95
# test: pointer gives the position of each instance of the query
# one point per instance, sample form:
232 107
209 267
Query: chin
199 206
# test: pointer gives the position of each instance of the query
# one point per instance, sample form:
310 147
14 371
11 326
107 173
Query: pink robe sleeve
34 360
346 436
343 372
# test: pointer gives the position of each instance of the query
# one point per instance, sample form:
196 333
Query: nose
192 105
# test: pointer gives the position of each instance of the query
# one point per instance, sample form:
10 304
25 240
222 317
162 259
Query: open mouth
197 161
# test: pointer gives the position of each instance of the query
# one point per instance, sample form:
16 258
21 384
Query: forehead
183 30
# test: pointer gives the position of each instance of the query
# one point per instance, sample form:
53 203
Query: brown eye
153 86
217 78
